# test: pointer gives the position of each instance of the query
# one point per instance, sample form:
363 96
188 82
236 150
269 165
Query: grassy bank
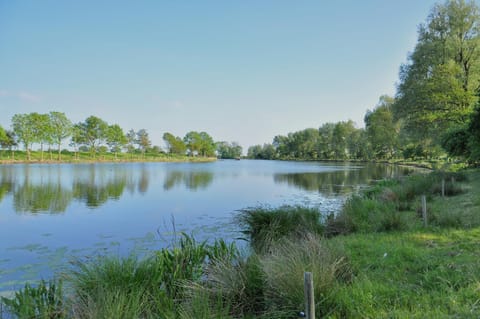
374 259
20 157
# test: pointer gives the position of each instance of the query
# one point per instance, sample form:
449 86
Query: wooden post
443 187
424 210
309 296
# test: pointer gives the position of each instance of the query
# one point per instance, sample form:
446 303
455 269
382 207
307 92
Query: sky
242 71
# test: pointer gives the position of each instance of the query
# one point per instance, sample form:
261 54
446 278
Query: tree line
95 135
435 110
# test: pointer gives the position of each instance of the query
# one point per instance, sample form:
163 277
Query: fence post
309 296
443 187
424 210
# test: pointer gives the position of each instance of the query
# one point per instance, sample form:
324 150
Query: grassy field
374 259
7 157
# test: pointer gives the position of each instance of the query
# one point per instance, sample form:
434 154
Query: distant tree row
435 111
95 135
338 141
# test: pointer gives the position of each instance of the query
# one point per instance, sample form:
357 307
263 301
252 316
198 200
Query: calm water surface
52 214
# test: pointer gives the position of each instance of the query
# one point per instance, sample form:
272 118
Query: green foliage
381 128
265 152
143 141
438 86
24 129
45 301
61 128
91 133
227 150
263 226
464 141
115 137
175 145
199 144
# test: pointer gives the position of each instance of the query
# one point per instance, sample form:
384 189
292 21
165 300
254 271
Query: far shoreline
111 161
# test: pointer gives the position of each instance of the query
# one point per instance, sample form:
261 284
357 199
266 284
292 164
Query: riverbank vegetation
435 111
375 258
96 140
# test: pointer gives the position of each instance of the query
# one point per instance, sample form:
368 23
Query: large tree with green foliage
24 128
199 144
60 129
227 150
116 138
42 130
131 141
143 141
342 133
464 141
92 133
382 130
3 136
175 144
438 84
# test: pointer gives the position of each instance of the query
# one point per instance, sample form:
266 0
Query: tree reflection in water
340 182
192 180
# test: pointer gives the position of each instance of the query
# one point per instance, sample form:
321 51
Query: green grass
18 156
44 301
411 275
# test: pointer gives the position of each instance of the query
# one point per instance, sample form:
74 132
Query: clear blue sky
243 71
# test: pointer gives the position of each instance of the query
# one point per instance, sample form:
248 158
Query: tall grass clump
153 287
114 287
269 284
284 267
234 286
263 226
44 301
361 214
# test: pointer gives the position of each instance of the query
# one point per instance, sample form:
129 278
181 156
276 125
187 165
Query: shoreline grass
69 157
374 259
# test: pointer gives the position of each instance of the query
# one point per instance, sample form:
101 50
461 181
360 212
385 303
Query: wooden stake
309 296
424 210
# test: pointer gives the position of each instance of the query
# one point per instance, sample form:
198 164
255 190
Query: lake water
52 214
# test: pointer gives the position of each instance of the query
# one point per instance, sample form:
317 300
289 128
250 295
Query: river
51 214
